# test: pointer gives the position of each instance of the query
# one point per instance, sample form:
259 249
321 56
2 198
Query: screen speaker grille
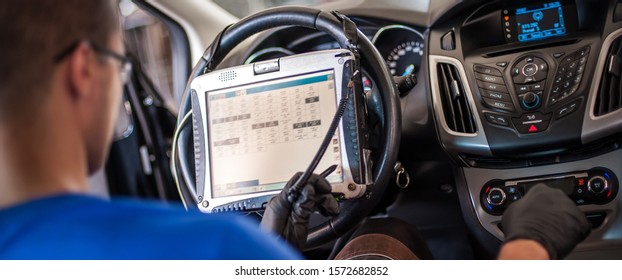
227 76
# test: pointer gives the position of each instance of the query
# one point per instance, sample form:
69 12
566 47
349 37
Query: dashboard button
497 119
538 86
502 64
530 69
522 88
555 90
448 41
583 52
511 190
496 197
554 99
499 104
532 128
496 95
567 109
487 70
580 69
492 87
530 101
529 80
489 78
532 122
596 185
569 58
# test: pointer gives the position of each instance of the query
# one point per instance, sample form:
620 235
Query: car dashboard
509 95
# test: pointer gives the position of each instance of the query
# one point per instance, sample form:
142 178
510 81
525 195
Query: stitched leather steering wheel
384 156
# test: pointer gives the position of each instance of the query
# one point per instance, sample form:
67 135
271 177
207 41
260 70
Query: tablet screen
261 134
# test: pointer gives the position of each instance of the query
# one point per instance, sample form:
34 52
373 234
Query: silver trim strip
475 143
595 127
395 26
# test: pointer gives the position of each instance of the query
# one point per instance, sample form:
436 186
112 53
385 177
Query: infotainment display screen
254 131
539 21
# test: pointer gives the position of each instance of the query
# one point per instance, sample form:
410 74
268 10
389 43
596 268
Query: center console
535 85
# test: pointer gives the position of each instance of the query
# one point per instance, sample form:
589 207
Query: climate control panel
594 186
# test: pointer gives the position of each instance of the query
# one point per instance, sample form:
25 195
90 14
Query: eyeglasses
126 62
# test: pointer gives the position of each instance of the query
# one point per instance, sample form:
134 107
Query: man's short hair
33 32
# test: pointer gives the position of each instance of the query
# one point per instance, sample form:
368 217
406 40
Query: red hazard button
533 128
532 123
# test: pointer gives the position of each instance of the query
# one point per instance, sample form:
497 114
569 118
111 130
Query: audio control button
496 196
530 69
597 184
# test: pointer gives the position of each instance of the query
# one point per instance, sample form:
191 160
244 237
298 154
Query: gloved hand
549 217
292 221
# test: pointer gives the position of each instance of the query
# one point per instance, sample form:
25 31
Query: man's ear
81 74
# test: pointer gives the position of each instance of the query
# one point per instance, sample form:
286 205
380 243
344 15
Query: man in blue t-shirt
61 76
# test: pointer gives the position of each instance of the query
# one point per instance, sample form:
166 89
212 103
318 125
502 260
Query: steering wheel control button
567 109
499 104
497 119
489 78
487 70
597 185
492 86
496 95
496 197
532 123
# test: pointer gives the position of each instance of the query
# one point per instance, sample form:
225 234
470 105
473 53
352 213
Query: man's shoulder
128 228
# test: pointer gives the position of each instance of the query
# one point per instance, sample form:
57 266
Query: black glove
292 221
549 217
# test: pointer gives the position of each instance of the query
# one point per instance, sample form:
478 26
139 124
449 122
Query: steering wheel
352 211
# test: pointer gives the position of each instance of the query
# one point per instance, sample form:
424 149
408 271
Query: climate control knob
496 196
597 184
531 100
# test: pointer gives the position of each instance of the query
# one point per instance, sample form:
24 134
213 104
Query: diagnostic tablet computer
256 125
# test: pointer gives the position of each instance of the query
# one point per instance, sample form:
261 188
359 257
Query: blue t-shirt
83 227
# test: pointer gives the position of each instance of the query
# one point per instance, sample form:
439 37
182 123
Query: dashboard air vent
457 111
609 96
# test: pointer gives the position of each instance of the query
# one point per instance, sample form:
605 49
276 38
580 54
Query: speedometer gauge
404 57
402 47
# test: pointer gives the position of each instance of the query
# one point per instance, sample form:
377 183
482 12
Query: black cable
295 190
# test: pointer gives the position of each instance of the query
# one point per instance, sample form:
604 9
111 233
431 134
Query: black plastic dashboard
401 45
532 97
